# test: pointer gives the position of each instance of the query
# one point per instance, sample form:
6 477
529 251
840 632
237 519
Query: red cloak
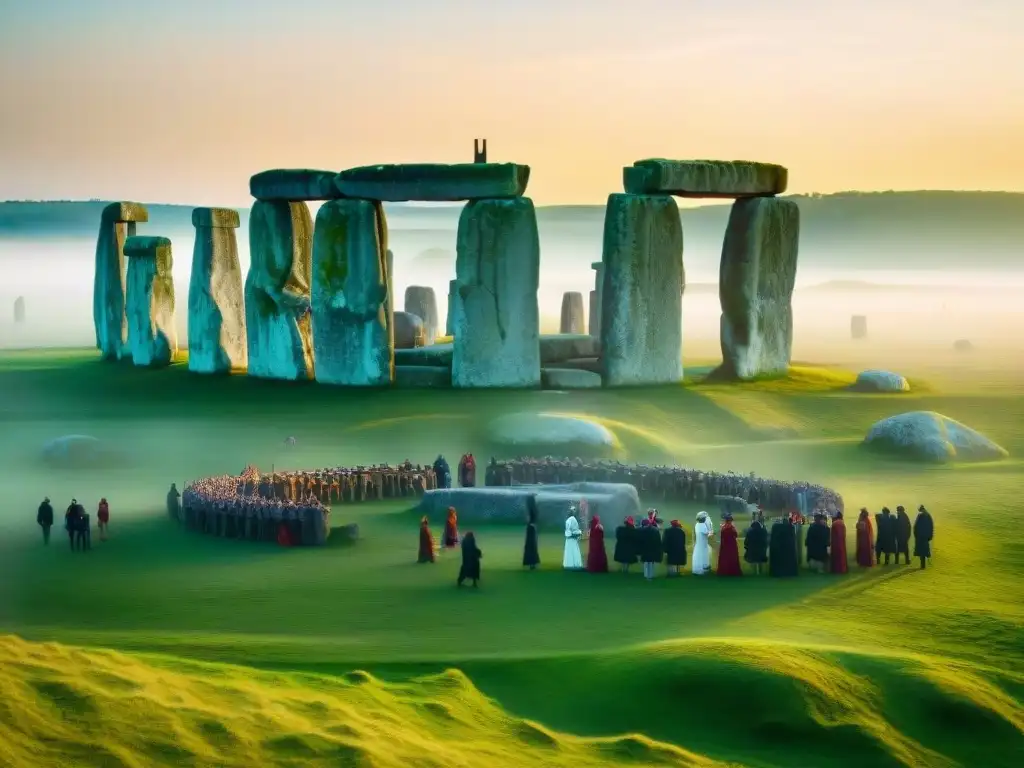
838 546
865 543
597 558
426 552
729 551
451 529
284 537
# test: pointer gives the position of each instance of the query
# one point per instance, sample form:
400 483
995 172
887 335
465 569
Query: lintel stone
294 185
434 182
224 218
705 178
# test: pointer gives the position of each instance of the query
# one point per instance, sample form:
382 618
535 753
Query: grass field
166 648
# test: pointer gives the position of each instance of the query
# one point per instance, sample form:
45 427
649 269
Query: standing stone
350 297
19 310
859 327
410 332
453 305
572 313
277 302
756 279
421 301
117 222
641 300
595 299
216 306
497 268
152 336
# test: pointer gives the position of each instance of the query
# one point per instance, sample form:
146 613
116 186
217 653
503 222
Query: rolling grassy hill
162 647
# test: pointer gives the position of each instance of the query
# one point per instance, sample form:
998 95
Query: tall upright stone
641 300
216 306
497 323
117 223
152 334
421 301
594 325
19 310
352 337
756 279
453 304
572 318
858 327
277 301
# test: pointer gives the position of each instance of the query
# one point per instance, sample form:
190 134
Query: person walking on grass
103 518
885 536
838 533
924 530
755 544
44 517
471 555
865 540
902 530
531 550
71 523
818 540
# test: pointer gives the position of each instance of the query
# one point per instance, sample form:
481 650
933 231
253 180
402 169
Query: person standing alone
103 518
44 517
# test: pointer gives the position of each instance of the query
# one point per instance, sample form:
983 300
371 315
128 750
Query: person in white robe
702 532
572 559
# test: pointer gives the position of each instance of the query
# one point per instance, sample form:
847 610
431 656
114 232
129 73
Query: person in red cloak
426 553
865 540
103 518
467 471
729 549
838 562
450 538
284 536
597 558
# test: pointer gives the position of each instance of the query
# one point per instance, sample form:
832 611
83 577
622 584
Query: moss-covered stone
704 178
117 222
215 217
294 185
216 306
152 334
434 182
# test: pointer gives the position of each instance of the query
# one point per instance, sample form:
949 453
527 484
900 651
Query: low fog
907 311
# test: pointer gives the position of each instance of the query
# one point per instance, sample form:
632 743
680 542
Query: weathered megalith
451 319
880 381
152 336
858 327
704 178
421 301
594 325
497 267
291 185
410 332
216 306
930 436
117 222
277 301
755 287
641 301
572 319
350 299
19 310
434 182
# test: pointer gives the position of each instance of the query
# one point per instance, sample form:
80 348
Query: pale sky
182 100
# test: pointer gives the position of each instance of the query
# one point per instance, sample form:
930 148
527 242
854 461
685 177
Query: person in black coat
673 541
470 560
626 545
44 517
782 560
755 544
903 529
83 532
531 552
442 472
924 530
885 535
818 539
71 522
650 547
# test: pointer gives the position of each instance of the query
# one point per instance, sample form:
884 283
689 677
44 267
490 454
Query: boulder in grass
78 452
880 381
551 434
930 436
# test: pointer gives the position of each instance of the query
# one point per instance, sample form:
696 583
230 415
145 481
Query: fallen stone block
434 182
572 317
216 306
642 302
117 222
409 331
423 377
556 348
704 178
433 356
421 301
550 433
880 381
498 271
291 185
277 291
351 334
569 378
756 279
152 335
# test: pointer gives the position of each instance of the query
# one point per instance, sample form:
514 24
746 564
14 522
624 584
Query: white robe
572 559
701 560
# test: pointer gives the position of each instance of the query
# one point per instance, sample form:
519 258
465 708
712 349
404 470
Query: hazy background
927 268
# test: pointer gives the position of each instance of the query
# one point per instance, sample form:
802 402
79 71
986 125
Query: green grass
176 649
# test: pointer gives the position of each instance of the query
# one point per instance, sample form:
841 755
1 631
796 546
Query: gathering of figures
778 551
77 523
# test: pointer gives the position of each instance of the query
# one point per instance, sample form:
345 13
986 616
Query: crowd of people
779 551
77 523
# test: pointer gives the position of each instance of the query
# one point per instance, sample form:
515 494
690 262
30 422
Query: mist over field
926 268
